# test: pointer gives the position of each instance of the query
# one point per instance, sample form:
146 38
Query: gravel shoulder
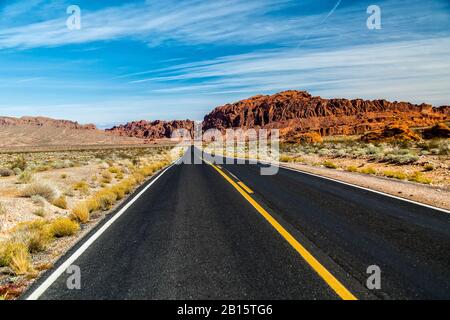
430 195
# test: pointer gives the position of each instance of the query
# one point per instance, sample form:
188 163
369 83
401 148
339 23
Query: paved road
193 235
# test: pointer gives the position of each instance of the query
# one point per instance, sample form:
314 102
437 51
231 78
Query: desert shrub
119 191
330 165
138 177
106 177
64 176
285 158
2 209
81 213
368 170
60 202
38 200
42 168
17 171
20 163
394 174
44 190
82 187
106 199
40 212
8 250
5 172
63 164
428 167
63 227
25 177
37 235
401 158
352 169
325 152
119 176
114 170
419 178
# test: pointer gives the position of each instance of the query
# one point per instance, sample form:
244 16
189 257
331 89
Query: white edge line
63 267
353 185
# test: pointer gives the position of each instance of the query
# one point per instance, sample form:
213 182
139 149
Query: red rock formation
152 130
391 132
440 130
298 111
43 121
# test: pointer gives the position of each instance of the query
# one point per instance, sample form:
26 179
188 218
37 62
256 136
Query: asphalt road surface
227 232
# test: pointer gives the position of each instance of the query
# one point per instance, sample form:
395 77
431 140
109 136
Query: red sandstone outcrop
440 130
391 132
152 130
299 112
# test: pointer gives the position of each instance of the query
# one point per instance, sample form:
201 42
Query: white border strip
352 185
63 267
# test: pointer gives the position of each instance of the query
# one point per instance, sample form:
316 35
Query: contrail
321 22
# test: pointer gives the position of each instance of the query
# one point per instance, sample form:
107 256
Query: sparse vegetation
82 187
395 174
63 227
81 213
419 178
40 212
352 169
37 180
60 202
330 165
368 170
25 177
44 190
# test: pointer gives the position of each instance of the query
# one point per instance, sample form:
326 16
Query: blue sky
174 59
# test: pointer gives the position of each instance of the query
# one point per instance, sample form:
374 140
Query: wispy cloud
219 22
413 70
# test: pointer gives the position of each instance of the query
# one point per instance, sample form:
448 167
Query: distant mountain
152 129
295 112
41 131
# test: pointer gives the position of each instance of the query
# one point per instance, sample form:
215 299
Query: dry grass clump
32 237
368 170
60 202
106 177
115 170
81 213
352 169
40 212
419 178
64 227
44 190
395 174
25 177
428 167
16 256
82 187
329 165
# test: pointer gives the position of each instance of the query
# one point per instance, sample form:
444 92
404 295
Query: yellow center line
243 186
334 283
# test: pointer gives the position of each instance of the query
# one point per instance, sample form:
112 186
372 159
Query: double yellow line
334 283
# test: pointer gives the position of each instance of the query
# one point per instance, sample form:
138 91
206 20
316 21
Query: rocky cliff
299 112
152 130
